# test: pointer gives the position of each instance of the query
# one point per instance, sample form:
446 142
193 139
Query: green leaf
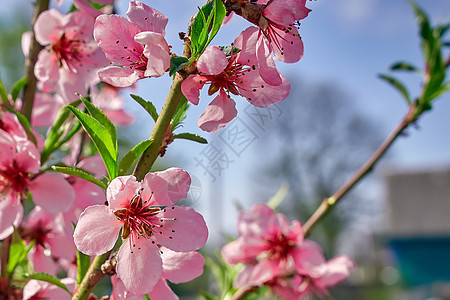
80 173
129 158
17 253
180 113
147 105
276 200
443 88
102 140
83 263
102 119
17 87
177 63
3 95
147 297
219 14
57 130
199 30
404 66
48 278
191 137
227 50
398 85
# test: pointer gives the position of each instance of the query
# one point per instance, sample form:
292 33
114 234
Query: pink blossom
136 47
237 75
70 62
53 238
177 267
19 167
267 243
146 214
10 124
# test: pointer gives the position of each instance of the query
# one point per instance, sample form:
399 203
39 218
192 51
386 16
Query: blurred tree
11 56
320 141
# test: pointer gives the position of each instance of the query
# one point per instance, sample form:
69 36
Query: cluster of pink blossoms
276 254
152 226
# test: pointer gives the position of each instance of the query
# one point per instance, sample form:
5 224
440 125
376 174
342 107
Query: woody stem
30 62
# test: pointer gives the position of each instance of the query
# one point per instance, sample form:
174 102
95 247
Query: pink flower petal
191 87
292 46
166 187
52 192
181 267
260 93
10 216
139 265
183 229
46 108
335 270
48 25
218 114
286 12
254 275
97 230
246 41
307 257
146 17
162 291
46 71
121 191
267 67
120 292
156 50
213 61
115 35
120 77
42 262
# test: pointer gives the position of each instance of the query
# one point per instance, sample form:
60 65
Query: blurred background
396 223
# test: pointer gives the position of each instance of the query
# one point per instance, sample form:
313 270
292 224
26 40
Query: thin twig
30 62
330 202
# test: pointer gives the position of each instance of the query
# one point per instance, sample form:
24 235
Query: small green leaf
3 95
227 50
48 278
180 113
276 200
101 118
83 263
404 66
219 13
17 253
102 140
129 158
17 87
191 137
147 297
57 130
398 85
147 105
80 173
199 30
177 63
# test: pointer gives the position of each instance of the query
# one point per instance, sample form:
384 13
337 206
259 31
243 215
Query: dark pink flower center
69 52
279 246
231 78
274 37
37 233
12 179
142 219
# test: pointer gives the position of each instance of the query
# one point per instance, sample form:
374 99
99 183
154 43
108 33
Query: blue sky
347 42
